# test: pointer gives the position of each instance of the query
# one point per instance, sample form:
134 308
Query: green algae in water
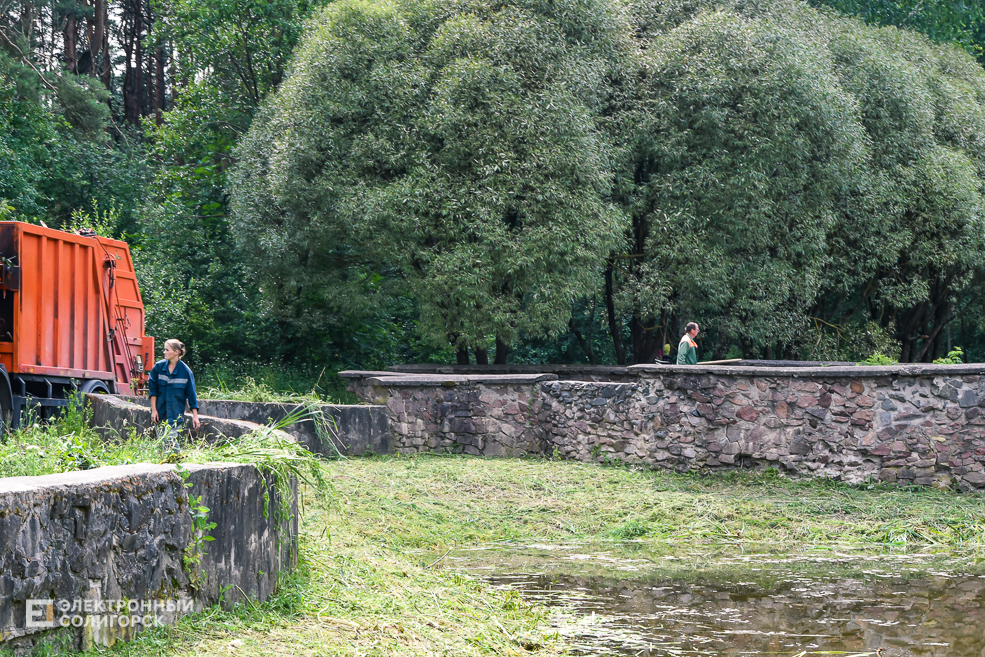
607 599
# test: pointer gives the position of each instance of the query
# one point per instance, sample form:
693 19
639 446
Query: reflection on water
766 605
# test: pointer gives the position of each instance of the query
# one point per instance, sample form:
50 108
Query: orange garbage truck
71 320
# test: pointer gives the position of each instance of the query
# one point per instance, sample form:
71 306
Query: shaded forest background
155 121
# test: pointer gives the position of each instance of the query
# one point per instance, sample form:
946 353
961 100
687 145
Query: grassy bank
433 502
373 580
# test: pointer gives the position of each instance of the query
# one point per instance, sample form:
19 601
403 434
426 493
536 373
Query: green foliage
879 359
103 223
67 444
853 342
738 140
56 156
788 168
954 357
436 175
25 129
201 526
956 21
194 279
449 151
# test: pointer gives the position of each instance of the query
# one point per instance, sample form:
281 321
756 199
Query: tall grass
263 382
67 443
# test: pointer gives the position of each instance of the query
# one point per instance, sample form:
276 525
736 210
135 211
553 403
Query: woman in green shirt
687 350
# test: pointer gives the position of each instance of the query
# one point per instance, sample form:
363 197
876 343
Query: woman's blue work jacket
172 390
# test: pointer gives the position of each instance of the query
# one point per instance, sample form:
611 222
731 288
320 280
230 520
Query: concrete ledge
398 379
908 369
113 416
354 430
125 533
358 429
565 371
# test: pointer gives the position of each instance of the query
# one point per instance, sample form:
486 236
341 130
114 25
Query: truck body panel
70 309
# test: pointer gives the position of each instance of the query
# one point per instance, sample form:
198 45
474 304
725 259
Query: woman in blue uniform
171 386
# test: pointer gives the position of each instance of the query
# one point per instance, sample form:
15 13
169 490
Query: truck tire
94 385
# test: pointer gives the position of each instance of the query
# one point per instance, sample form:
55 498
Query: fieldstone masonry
913 424
126 533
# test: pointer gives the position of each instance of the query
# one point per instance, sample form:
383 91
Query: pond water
621 600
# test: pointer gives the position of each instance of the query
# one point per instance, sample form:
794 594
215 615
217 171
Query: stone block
976 479
748 413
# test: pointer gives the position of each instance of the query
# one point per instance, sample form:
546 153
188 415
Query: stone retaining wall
126 533
350 430
915 424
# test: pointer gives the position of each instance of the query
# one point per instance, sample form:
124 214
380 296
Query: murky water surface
623 601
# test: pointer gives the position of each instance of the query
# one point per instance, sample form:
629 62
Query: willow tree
451 148
787 169
736 140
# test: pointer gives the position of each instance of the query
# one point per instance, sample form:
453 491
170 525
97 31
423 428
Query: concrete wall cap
517 368
105 475
435 380
362 374
858 371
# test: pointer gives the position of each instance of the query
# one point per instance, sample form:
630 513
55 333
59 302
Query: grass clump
67 443
268 383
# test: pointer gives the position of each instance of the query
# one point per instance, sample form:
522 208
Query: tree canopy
800 182
454 146
363 182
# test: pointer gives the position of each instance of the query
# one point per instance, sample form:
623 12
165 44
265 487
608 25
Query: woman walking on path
171 385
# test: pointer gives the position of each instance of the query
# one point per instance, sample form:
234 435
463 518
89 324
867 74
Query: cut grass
372 580
433 502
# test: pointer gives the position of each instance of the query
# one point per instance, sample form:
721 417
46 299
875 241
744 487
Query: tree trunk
159 79
910 330
27 24
71 37
138 60
645 341
131 108
462 355
502 351
107 73
610 307
97 30
942 316
585 346
481 356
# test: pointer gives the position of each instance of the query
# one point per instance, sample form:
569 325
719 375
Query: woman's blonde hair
175 345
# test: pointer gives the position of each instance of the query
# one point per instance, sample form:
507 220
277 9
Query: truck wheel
88 387
94 386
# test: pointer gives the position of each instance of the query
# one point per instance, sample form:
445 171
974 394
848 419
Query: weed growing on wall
275 454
